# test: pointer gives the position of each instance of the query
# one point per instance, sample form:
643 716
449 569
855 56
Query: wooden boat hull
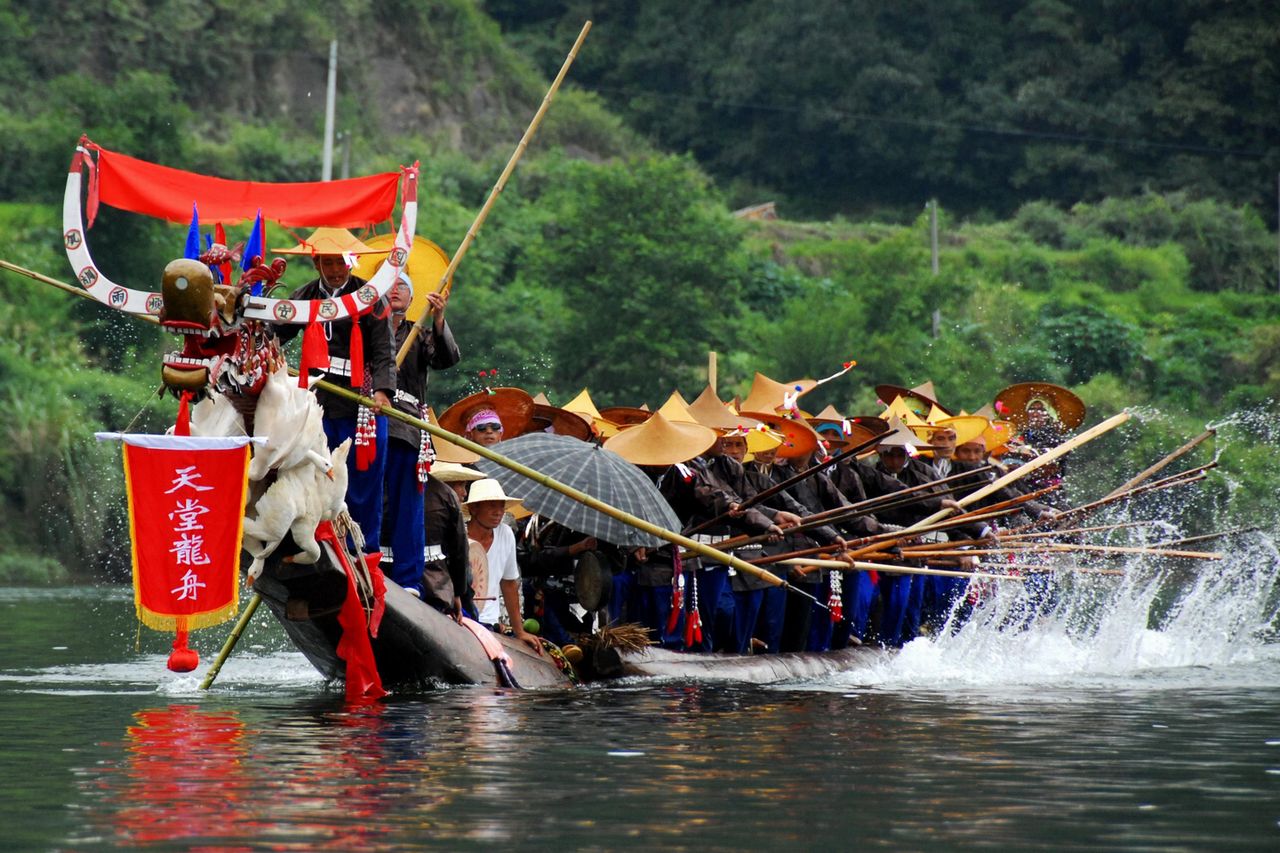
418 647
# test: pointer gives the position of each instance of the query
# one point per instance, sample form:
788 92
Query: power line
933 124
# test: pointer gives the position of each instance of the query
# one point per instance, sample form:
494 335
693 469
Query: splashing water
1158 623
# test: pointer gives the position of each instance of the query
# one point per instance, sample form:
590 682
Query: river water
1142 714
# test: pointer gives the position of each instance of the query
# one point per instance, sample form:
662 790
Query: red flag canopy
128 183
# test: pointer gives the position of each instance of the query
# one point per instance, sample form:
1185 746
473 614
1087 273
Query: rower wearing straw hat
359 357
410 455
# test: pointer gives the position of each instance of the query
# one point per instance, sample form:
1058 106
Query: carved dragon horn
290 311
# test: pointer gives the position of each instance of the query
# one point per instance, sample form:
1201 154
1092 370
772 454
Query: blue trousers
940 594
772 618
402 527
746 608
858 594
820 624
653 606
364 488
622 596
903 599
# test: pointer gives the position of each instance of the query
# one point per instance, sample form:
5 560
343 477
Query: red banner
128 183
186 520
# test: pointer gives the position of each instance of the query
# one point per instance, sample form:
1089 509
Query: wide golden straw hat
659 441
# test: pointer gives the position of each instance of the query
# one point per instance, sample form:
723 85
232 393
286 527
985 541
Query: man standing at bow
359 357
409 454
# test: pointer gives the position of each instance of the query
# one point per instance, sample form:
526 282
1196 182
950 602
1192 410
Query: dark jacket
431 350
442 517
375 328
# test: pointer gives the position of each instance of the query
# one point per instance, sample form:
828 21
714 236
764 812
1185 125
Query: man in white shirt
487 504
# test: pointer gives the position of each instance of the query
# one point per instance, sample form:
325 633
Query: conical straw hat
659 441
583 405
513 406
1012 403
426 266
799 439
769 395
919 399
710 411
967 428
677 409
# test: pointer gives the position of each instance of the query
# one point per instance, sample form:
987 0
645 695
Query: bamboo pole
859 566
1028 467
570 492
1162 464
62 285
446 278
232 639
924 553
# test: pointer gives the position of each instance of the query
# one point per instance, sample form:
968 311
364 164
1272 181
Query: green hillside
606 264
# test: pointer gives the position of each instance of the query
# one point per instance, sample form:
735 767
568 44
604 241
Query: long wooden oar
786 484
858 566
1187 540
1162 464
1033 465
1191 475
446 279
232 639
925 553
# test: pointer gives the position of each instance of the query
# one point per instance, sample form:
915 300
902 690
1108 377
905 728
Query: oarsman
446 584
749 591
895 470
409 453
724 466
500 588
1044 414
666 451
806 625
858 589
333 251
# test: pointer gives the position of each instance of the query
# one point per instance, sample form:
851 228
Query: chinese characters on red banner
186 505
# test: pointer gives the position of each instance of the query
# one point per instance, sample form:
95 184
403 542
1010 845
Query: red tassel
357 354
836 606
182 659
693 628
315 351
183 426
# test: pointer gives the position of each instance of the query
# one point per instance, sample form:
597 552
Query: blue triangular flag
253 249
193 236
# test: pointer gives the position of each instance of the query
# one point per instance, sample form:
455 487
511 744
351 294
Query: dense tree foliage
857 106
1138 274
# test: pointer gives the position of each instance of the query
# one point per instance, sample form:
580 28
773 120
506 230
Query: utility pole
933 234
330 99
933 258
346 154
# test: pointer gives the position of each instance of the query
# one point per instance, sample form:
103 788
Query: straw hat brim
559 421
625 416
919 403
799 439
1012 403
452 472
513 406
659 441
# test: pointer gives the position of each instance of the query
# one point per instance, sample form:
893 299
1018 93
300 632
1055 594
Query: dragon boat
339 611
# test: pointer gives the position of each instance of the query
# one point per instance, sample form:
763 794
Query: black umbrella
600 473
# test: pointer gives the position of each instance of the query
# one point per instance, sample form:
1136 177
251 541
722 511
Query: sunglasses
489 428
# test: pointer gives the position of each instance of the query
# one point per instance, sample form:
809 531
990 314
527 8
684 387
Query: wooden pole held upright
446 278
